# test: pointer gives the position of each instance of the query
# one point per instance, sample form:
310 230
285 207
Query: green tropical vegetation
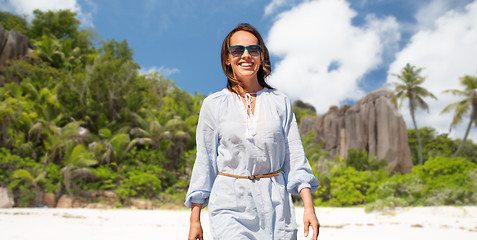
361 181
77 117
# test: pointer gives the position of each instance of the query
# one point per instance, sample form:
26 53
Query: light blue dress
230 141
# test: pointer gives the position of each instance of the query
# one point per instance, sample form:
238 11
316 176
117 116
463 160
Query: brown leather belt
253 177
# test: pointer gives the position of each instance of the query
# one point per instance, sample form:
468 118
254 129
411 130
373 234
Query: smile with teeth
246 65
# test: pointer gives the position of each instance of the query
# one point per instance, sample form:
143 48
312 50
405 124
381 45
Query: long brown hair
265 67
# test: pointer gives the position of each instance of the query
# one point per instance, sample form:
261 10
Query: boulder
141 204
6 199
373 124
78 204
65 201
109 194
49 200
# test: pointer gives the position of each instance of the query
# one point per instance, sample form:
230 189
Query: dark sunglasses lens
254 50
237 50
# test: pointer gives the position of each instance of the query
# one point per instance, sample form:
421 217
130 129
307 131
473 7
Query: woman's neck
251 86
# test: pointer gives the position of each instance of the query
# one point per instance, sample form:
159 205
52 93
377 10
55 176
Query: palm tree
58 53
111 148
33 178
469 103
49 50
77 162
62 140
411 89
151 134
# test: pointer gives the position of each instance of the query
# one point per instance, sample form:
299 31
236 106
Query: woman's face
245 66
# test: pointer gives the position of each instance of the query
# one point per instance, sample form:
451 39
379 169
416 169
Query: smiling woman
249 153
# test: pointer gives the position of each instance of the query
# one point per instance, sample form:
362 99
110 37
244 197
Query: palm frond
455 92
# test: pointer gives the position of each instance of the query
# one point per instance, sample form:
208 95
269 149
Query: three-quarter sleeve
296 167
204 171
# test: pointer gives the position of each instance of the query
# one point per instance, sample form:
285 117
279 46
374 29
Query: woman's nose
246 53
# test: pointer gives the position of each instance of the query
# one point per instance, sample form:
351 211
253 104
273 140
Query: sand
455 223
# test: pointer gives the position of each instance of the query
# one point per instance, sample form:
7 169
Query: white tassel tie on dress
251 130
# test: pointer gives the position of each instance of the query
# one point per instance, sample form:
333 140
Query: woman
249 153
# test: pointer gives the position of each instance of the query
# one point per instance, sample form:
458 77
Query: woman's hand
310 220
309 216
195 229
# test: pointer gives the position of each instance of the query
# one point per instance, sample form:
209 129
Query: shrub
350 187
106 178
447 181
21 176
359 160
139 184
350 182
145 175
440 181
52 182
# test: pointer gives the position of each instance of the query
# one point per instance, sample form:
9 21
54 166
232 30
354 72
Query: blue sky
325 52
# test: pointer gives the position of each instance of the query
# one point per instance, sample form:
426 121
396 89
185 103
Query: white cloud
26 7
432 10
445 52
388 30
323 56
165 71
274 5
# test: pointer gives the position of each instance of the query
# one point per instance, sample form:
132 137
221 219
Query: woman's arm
195 230
309 216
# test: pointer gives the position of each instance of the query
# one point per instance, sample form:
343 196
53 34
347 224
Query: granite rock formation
13 45
373 124
301 104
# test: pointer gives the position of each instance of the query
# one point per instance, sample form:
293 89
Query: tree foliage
14 22
62 24
434 145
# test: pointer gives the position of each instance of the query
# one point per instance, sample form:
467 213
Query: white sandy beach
455 223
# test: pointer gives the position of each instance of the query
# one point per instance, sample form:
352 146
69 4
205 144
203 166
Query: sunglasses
238 50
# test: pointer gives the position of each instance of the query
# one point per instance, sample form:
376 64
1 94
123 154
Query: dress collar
265 89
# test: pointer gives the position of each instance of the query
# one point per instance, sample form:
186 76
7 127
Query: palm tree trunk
469 126
418 136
